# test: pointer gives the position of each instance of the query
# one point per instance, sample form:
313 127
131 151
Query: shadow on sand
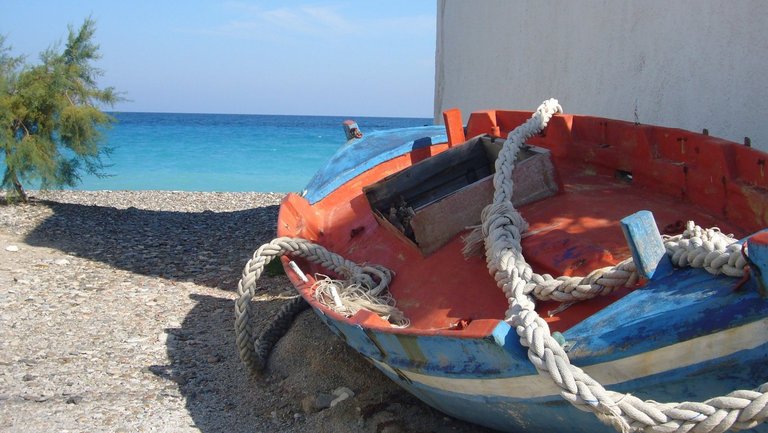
210 249
207 248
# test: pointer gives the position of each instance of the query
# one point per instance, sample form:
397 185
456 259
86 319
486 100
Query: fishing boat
540 271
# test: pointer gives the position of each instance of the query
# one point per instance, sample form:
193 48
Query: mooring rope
370 279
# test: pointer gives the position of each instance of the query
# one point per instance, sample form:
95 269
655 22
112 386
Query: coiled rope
502 227
372 279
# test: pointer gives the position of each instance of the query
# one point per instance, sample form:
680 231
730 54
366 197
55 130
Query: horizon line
113 111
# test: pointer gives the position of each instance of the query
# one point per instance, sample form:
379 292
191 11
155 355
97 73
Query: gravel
117 315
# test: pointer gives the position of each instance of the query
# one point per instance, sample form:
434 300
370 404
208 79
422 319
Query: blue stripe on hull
376 147
742 370
490 380
534 415
688 304
552 413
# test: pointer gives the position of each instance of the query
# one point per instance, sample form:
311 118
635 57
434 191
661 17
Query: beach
118 315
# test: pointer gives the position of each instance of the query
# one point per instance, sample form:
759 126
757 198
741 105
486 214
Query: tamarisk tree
51 127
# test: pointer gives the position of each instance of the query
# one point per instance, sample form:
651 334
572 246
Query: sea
223 152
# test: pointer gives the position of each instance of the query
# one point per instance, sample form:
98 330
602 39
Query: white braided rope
503 227
373 277
706 248
696 247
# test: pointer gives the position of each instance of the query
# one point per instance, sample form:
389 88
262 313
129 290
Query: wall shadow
207 248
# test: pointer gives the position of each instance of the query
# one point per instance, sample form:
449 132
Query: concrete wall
687 64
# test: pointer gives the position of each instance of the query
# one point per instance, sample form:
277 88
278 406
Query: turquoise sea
224 152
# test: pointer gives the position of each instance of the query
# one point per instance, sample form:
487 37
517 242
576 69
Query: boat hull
688 336
489 381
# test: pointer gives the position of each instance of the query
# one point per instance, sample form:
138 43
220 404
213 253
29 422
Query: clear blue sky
257 57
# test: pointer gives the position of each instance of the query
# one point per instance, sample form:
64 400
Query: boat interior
573 184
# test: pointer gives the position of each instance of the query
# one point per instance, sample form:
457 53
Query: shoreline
217 201
118 315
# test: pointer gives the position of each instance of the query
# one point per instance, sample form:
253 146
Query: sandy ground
117 314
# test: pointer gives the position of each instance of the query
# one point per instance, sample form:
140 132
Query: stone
75 399
391 426
323 400
343 390
99 359
308 404
341 393
12 248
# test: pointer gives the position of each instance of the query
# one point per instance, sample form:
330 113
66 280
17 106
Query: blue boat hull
720 344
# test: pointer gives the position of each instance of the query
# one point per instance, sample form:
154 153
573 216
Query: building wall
687 64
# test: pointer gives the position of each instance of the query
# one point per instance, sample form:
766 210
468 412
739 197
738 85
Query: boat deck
574 232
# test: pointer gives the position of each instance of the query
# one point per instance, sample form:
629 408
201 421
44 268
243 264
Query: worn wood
437 223
647 247
424 181
448 191
454 127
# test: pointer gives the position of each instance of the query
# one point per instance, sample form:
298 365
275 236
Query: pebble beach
117 314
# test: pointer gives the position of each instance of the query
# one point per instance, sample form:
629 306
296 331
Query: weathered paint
360 155
725 178
647 247
488 402
472 378
758 255
686 305
632 339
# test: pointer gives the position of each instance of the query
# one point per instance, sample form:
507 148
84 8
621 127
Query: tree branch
71 102
20 124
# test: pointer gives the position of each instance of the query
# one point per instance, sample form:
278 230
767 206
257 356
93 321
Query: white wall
687 64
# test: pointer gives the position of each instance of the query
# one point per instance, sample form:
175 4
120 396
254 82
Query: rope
348 299
696 247
253 352
274 331
708 249
502 226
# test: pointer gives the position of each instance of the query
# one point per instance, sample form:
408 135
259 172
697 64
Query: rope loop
710 249
368 281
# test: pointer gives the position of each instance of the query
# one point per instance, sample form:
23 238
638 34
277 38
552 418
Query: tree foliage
51 126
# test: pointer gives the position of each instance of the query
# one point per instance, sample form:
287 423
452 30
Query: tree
51 127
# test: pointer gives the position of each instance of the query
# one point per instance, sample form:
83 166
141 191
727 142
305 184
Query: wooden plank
453 126
437 223
426 175
448 179
647 247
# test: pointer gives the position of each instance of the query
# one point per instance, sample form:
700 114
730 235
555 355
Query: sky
372 58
